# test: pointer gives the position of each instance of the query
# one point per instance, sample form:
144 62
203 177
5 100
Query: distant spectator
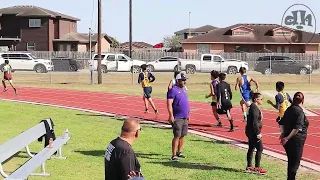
121 162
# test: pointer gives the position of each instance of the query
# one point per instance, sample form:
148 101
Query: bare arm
256 82
170 110
237 84
211 92
170 85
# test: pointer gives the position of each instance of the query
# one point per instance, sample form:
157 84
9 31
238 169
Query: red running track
200 120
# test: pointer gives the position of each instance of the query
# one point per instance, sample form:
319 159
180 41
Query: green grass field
90 134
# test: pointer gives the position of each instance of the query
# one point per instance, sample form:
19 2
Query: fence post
310 73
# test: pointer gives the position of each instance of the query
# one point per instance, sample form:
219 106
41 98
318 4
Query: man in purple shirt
179 110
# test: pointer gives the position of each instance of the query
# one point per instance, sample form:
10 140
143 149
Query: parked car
66 64
209 62
26 62
167 63
281 65
117 62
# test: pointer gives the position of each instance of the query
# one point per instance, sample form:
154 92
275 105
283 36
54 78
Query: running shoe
219 124
156 111
250 169
146 111
260 171
179 154
174 158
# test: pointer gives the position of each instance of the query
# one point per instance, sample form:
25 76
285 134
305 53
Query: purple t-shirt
180 105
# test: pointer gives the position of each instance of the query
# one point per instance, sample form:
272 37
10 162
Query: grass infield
90 134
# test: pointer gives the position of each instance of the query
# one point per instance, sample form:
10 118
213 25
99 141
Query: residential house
253 38
32 28
136 46
29 28
189 33
81 42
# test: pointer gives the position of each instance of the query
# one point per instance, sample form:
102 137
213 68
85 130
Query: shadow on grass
185 165
219 142
101 153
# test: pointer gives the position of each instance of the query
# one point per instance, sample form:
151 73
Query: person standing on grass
179 111
243 82
283 101
121 162
145 79
253 132
224 97
7 76
295 128
214 82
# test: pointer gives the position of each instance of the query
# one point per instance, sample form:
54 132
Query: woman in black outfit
295 126
253 132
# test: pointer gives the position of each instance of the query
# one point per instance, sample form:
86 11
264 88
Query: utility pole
189 25
91 59
130 28
130 37
99 43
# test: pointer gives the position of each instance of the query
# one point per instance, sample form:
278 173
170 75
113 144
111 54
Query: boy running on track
7 76
224 97
283 100
145 79
243 82
213 87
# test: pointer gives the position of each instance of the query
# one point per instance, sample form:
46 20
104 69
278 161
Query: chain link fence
293 68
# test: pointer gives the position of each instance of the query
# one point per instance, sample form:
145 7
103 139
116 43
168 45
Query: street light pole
99 43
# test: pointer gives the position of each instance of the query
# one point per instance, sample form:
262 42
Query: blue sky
155 19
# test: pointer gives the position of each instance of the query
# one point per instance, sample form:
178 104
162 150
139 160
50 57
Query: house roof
137 45
205 28
82 37
34 11
262 33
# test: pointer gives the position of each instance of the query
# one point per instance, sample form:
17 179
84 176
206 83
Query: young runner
173 82
243 82
224 97
213 85
7 76
283 100
145 79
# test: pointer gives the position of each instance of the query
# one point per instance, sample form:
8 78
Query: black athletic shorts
213 104
180 127
225 106
147 92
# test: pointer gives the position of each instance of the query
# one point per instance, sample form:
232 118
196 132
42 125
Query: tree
115 43
172 41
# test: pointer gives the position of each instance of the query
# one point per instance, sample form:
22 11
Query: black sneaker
219 124
174 158
179 154
146 111
231 130
156 111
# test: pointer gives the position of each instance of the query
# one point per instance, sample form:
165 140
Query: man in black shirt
224 97
120 160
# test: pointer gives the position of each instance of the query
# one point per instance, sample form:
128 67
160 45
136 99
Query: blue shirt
180 105
245 88
279 99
